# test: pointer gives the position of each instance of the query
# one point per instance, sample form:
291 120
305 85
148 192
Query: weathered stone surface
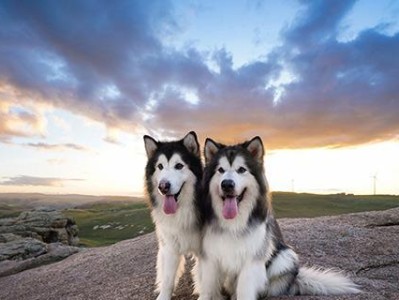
8 237
52 253
25 240
23 248
363 245
45 224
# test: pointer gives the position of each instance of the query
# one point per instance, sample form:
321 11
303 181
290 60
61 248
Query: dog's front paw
163 297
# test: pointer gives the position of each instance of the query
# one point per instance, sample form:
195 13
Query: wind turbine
374 183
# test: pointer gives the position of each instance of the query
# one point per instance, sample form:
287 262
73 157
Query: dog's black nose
164 187
228 185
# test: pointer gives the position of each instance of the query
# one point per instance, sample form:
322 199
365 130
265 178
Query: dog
244 254
173 177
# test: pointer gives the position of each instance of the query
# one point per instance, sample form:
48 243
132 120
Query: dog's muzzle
164 187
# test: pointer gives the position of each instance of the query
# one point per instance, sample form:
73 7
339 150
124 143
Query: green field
105 223
293 205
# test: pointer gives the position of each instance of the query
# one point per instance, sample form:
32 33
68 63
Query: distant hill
23 201
306 205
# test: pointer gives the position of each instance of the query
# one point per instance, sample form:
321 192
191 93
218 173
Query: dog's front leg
167 264
209 280
252 281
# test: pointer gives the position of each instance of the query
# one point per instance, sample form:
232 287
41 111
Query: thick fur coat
173 181
243 253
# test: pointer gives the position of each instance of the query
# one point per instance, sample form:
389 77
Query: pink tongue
169 205
230 208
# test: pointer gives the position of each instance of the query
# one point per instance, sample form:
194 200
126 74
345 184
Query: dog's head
173 169
235 178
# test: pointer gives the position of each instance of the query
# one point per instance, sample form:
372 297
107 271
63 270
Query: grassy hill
111 219
109 222
303 205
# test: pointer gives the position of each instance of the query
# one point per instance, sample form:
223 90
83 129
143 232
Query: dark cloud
107 60
24 180
346 92
70 52
316 23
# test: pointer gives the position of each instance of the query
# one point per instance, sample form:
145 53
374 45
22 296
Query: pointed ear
190 141
255 147
211 148
151 145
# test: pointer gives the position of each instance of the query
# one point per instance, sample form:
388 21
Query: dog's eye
241 170
221 170
179 166
160 166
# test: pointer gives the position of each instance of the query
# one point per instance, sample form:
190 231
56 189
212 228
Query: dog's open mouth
238 197
230 205
170 202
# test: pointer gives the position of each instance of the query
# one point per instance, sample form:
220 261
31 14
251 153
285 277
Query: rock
22 248
364 245
8 237
35 238
45 224
53 253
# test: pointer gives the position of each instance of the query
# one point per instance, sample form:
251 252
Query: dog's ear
190 141
255 148
211 148
151 145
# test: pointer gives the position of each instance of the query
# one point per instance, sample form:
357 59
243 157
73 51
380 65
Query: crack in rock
388 224
376 266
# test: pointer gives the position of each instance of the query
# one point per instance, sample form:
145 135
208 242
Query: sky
82 81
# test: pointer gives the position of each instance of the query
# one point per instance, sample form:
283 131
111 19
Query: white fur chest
230 251
178 231
183 241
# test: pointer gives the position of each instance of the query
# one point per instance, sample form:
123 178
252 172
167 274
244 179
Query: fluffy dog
173 181
243 250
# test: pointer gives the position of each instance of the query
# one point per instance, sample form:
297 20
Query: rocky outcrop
363 245
44 224
19 248
35 238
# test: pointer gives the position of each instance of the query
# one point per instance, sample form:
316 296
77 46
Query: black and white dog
243 252
173 180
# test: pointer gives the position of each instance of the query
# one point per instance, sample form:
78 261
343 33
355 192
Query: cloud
346 92
56 161
24 180
317 22
339 93
74 75
112 136
19 123
57 147
107 61
19 116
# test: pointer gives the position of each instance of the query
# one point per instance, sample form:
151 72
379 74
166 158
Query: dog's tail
314 281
